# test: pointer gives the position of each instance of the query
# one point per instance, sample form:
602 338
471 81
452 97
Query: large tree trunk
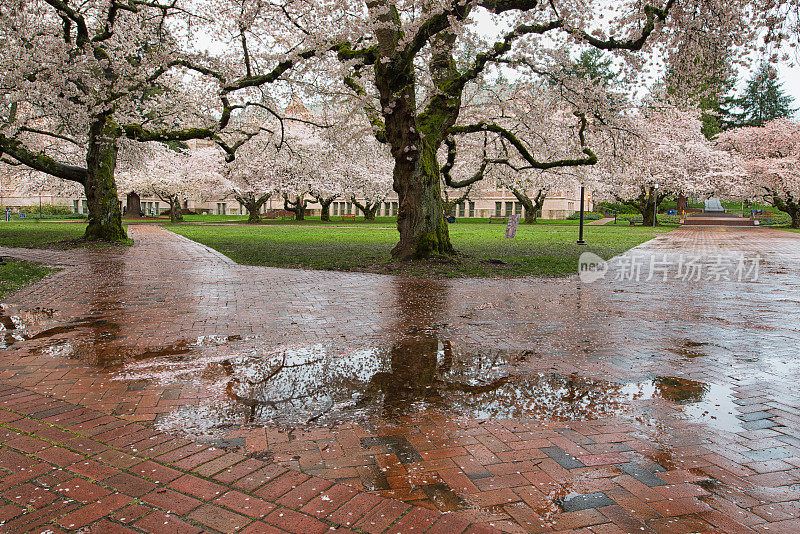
297 206
530 206
420 220
175 214
252 214
647 204
795 215
105 217
787 205
325 211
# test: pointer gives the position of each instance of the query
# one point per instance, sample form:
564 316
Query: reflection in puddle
417 376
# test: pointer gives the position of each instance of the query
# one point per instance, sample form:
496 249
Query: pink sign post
511 229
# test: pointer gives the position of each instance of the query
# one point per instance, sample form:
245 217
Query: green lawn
14 275
37 233
547 249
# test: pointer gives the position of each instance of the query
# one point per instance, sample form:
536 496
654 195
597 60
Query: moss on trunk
105 215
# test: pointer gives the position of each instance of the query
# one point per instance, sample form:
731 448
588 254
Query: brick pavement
534 405
65 468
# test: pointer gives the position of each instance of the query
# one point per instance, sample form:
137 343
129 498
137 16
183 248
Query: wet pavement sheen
652 405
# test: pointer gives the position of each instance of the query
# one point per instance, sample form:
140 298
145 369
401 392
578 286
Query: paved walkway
601 222
631 404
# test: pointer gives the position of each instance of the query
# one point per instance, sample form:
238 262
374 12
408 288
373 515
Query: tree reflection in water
421 372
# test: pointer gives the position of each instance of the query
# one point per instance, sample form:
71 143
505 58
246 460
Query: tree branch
41 162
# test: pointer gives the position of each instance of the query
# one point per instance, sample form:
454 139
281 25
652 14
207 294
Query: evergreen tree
763 100
594 65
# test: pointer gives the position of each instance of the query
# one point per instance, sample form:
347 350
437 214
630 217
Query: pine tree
763 100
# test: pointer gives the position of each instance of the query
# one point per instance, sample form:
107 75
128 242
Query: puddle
16 327
418 376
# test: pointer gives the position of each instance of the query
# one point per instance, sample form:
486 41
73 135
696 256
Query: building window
518 208
349 208
76 207
509 209
498 209
387 210
84 206
220 208
336 208
394 209
156 210
471 209
461 209
571 206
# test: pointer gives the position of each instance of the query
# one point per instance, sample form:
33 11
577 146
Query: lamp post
580 230
655 203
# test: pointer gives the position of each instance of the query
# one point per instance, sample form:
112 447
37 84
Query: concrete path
600 222
659 398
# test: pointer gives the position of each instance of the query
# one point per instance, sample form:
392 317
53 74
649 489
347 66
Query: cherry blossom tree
97 72
366 175
174 176
657 152
771 155
413 64
252 175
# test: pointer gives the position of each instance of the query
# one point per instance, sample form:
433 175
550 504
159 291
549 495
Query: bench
349 217
634 221
497 218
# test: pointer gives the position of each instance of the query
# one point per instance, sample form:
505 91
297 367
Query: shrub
587 216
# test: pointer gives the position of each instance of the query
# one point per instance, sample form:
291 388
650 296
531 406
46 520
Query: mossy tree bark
647 203
367 208
252 204
175 213
325 205
787 204
531 206
297 206
105 215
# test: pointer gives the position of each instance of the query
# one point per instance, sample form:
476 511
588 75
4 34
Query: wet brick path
636 403
67 468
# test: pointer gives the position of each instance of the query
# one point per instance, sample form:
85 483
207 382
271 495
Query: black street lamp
580 230
655 203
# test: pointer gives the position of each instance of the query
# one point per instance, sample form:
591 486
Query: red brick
215 466
675 507
130 513
159 523
130 484
155 472
449 524
303 493
94 470
282 484
354 509
295 522
240 470
201 457
197 487
245 504
27 444
379 518
258 478
106 527
59 456
30 495
329 500
219 518
81 490
94 511
171 500
416 520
